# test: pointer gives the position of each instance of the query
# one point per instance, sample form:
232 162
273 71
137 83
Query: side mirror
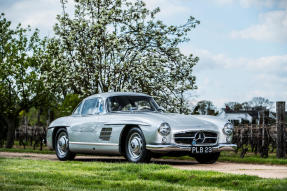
160 108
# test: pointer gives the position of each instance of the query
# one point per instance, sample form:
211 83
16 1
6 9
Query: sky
241 44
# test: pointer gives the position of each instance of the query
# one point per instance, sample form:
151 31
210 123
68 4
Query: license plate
199 149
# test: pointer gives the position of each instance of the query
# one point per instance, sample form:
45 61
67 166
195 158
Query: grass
27 174
252 158
224 157
249 158
27 150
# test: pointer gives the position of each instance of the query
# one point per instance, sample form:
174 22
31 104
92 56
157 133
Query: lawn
249 158
224 157
28 174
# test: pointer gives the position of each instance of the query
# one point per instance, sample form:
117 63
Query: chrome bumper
175 147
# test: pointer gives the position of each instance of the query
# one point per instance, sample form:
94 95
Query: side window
92 106
78 109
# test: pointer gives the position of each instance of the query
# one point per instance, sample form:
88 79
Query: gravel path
264 171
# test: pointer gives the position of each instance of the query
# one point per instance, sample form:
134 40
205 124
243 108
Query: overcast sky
242 44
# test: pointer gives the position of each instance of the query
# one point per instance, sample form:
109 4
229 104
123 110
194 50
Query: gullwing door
86 126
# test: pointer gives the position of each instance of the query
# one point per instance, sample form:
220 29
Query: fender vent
106 134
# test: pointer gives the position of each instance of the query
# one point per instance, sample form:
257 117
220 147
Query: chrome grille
200 137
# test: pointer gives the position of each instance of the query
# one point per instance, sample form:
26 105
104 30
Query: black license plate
200 149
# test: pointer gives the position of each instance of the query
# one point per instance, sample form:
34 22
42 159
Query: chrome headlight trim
164 129
228 129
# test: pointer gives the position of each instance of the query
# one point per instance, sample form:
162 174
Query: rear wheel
62 146
135 146
207 158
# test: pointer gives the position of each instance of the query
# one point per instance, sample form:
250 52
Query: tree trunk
11 124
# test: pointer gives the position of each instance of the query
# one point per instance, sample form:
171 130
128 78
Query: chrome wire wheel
135 146
62 144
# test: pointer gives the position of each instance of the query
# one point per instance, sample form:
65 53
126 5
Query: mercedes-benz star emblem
199 137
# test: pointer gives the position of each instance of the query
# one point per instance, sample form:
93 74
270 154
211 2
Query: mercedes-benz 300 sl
135 126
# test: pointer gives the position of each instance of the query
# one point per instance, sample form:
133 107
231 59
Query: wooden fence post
280 122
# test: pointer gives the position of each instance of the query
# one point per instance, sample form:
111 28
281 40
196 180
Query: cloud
224 2
264 3
36 13
276 65
168 8
255 3
272 28
42 13
221 78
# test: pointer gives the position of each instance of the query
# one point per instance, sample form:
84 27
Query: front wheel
62 146
207 158
135 146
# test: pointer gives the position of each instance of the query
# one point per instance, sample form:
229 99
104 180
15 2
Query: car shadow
123 160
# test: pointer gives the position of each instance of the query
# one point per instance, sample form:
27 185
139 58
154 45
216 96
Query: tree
204 107
261 102
117 45
20 87
235 106
246 106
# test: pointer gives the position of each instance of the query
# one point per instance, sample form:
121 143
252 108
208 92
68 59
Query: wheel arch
55 130
123 134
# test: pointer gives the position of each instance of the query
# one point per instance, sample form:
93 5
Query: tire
62 146
135 147
207 158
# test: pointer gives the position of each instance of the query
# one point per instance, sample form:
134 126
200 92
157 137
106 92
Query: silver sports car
133 125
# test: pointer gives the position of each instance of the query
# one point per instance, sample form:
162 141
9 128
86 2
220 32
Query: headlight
228 129
164 129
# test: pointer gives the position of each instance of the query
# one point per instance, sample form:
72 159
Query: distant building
236 117
251 116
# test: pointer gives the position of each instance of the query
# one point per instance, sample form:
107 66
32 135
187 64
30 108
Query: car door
84 126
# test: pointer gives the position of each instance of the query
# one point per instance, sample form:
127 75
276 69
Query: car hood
178 122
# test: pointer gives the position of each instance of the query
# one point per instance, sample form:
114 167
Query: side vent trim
106 134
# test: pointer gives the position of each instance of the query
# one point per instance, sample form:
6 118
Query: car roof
111 94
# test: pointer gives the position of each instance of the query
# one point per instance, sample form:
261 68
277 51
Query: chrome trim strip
193 137
175 147
96 144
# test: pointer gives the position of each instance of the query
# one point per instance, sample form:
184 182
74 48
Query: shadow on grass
153 161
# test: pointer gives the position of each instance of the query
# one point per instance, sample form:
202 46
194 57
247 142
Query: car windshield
131 103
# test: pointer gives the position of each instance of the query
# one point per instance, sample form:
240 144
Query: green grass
252 158
27 150
224 157
249 158
27 174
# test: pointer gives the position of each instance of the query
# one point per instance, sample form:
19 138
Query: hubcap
62 144
135 145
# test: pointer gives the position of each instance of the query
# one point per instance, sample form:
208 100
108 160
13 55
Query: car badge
193 142
199 137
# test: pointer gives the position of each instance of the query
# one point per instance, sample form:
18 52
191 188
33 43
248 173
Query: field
27 174
250 158
224 157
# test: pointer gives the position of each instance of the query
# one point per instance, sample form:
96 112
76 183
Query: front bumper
184 148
